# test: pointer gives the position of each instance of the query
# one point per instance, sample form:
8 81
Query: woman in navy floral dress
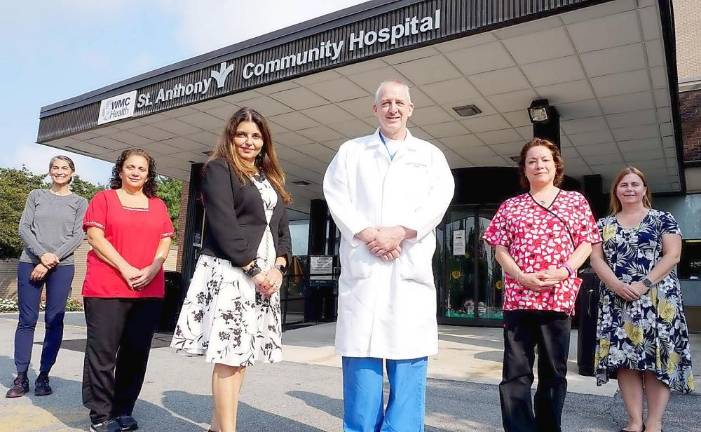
642 334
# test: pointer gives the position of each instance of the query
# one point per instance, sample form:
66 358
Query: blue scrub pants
363 397
58 287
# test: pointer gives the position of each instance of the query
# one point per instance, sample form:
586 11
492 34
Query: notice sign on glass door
459 242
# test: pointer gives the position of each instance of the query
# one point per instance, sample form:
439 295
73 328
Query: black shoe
20 387
127 423
41 386
110 425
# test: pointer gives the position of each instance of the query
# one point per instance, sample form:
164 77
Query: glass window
690 263
299 231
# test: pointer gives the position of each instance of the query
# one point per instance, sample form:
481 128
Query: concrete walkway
304 392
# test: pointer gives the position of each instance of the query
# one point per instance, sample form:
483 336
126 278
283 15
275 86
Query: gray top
51 223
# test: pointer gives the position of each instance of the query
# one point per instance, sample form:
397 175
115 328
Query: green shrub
10 305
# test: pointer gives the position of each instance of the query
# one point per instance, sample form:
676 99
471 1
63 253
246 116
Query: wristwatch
252 271
647 282
282 268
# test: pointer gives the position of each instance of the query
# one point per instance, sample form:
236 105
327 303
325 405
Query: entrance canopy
608 67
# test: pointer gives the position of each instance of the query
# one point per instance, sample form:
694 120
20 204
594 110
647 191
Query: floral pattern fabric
538 237
223 317
648 334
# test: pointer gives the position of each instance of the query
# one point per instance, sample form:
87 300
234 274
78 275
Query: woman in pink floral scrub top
541 238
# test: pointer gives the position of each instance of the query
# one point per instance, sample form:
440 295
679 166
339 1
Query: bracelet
570 271
252 271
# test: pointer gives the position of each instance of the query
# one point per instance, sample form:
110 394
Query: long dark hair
266 161
150 187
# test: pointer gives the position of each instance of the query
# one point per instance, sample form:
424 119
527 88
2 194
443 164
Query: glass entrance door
472 283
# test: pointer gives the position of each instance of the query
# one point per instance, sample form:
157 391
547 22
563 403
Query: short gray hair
378 92
64 158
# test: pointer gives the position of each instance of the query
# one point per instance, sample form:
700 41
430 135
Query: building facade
608 69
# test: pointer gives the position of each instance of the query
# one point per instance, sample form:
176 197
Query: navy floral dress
648 334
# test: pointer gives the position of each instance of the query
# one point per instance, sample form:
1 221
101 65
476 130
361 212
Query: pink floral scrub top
538 237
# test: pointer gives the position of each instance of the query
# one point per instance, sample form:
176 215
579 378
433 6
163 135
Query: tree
170 190
15 185
84 188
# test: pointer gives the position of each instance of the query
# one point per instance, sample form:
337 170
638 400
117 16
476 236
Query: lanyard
391 156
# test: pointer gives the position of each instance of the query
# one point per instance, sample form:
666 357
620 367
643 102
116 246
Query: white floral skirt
226 320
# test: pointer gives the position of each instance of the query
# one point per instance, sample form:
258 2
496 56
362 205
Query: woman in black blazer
231 314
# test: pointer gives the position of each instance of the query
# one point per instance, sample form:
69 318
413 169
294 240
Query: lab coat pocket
415 180
415 262
356 261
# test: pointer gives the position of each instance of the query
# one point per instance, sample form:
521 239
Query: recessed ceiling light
467 110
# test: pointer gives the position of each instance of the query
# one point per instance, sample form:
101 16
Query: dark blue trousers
58 287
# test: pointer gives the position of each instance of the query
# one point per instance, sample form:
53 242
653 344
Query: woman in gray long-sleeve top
51 229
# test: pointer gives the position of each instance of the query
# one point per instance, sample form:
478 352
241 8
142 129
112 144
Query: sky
55 50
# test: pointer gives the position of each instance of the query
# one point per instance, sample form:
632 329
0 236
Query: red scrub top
538 237
135 233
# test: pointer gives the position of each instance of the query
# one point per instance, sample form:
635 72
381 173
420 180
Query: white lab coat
387 309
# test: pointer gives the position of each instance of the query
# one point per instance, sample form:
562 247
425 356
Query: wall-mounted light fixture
540 111
546 121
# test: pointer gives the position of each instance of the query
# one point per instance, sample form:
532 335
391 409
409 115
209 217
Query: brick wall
182 220
690 110
8 272
687 22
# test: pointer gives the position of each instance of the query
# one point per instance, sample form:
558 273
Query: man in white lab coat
386 193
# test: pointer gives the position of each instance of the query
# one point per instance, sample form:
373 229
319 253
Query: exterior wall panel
458 18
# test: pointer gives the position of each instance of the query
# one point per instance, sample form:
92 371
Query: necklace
544 201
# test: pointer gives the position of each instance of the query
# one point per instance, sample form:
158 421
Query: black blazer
235 219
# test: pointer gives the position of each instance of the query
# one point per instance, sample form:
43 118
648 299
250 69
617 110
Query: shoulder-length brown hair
150 187
614 202
557 158
266 161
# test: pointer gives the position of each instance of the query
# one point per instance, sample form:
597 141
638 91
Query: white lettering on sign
329 50
117 107
356 41
179 90
411 26
326 49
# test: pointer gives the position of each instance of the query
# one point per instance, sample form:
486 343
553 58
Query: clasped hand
383 242
48 261
543 280
137 279
268 282
630 292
